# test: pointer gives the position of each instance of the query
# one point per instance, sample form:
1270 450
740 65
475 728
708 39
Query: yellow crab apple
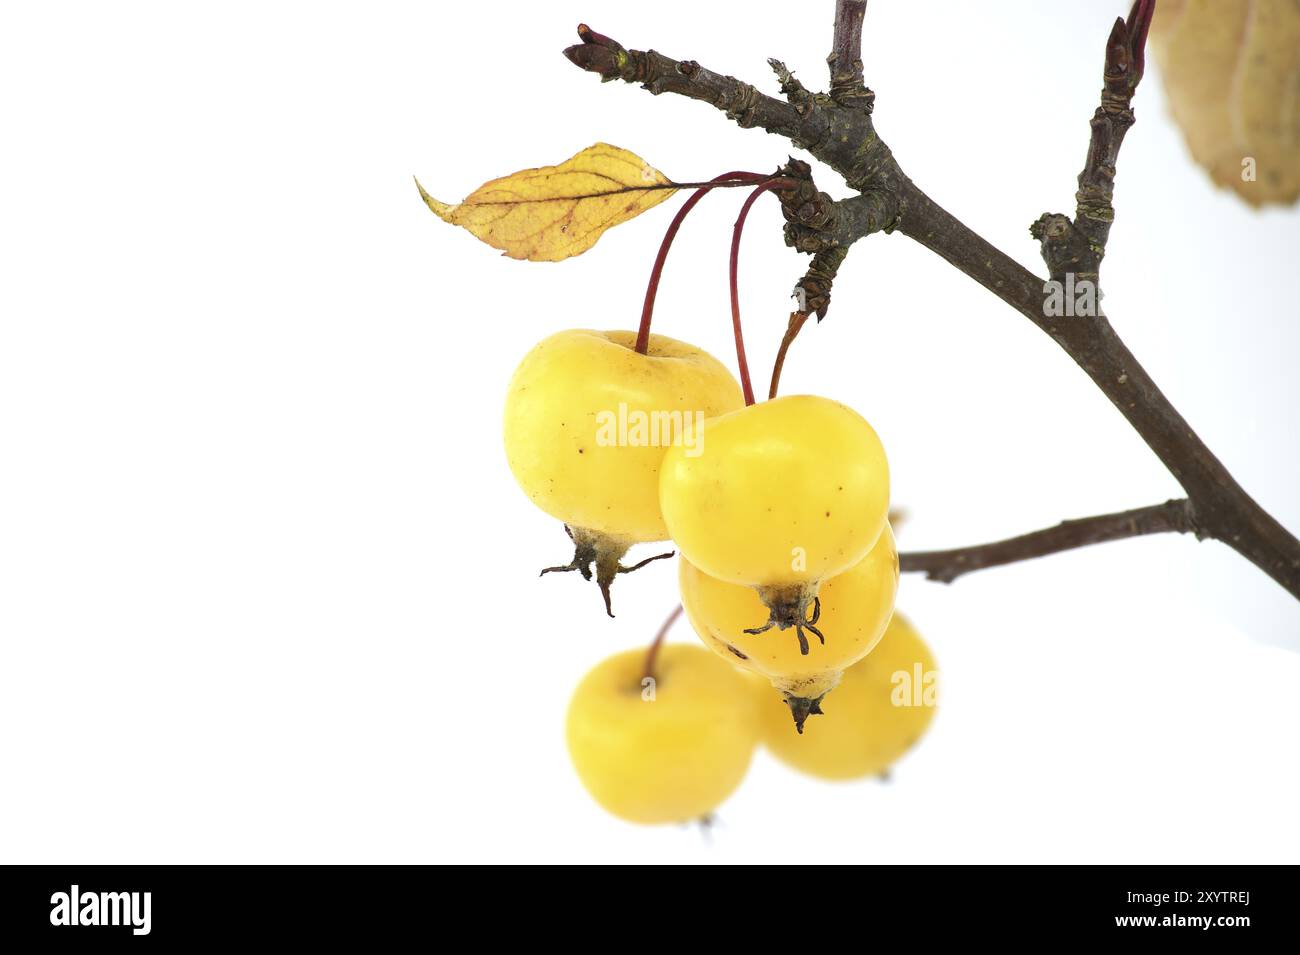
882 707
854 605
781 496
667 747
587 422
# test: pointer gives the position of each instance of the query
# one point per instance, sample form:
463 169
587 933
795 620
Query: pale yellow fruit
572 425
855 609
783 494
670 755
883 705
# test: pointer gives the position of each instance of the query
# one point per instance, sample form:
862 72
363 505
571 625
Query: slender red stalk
653 653
647 310
735 292
797 320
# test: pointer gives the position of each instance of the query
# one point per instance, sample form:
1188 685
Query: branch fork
837 128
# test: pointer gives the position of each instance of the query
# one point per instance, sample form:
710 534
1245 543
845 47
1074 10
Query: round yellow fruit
883 705
855 608
588 419
783 493
671 751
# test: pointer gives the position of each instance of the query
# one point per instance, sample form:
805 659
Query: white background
268 591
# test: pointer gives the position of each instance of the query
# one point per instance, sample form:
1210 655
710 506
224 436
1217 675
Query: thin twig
947 565
846 53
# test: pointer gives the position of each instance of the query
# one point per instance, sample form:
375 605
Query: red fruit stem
653 653
735 292
792 330
647 310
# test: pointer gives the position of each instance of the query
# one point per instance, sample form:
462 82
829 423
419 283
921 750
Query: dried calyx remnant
802 707
837 128
798 607
605 552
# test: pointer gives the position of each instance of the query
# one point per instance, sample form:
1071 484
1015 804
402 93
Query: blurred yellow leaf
1231 71
554 212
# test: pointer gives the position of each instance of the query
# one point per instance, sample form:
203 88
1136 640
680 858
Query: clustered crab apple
673 746
605 486
785 494
855 607
786 510
779 510
882 707
667 747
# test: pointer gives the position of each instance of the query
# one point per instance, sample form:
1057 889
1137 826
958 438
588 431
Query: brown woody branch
847 86
838 130
1077 245
843 137
947 565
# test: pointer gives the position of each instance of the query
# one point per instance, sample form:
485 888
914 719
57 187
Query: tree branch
840 133
847 86
1077 246
1223 509
842 137
947 565
659 74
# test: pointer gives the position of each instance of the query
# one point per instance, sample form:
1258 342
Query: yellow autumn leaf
1231 72
555 212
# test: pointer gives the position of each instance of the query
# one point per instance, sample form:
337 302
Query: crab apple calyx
802 707
605 574
797 607
851 609
584 555
605 552
881 708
